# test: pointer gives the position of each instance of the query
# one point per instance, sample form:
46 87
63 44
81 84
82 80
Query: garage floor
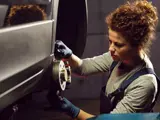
35 109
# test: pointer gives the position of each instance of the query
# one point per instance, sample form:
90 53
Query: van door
25 47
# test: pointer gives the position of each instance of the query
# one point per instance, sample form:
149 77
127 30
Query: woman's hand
61 50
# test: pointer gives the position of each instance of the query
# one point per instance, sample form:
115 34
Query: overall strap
143 71
114 63
120 91
126 83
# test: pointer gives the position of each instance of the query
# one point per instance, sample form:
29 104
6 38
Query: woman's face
119 48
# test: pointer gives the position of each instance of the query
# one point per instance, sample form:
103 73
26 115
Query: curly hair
136 22
20 14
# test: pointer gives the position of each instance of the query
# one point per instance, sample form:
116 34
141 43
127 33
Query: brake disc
61 74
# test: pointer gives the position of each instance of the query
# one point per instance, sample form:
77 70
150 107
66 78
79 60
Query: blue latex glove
61 50
62 104
66 106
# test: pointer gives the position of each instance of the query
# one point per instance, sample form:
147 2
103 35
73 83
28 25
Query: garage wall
97 44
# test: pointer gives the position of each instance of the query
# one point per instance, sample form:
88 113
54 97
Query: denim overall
106 105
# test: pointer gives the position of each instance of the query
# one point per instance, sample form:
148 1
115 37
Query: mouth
114 56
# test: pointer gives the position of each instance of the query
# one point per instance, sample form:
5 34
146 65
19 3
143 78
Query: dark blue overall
106 105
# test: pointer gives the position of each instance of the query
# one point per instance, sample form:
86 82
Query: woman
131 29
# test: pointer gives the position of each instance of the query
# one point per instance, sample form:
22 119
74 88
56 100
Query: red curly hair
136 22
20 14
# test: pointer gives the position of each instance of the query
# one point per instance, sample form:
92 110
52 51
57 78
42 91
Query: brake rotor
61 74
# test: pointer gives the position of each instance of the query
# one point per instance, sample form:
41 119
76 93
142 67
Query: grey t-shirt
138 95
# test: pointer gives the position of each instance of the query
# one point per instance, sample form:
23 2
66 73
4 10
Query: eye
110 41
119 45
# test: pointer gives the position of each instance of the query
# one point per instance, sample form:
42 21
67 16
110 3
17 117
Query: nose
111 48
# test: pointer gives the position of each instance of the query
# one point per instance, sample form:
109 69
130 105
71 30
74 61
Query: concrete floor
35 109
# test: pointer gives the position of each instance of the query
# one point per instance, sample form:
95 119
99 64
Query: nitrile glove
62 104
66 106
61 50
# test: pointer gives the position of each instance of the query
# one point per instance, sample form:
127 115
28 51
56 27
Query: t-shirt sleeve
95 65
138 96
